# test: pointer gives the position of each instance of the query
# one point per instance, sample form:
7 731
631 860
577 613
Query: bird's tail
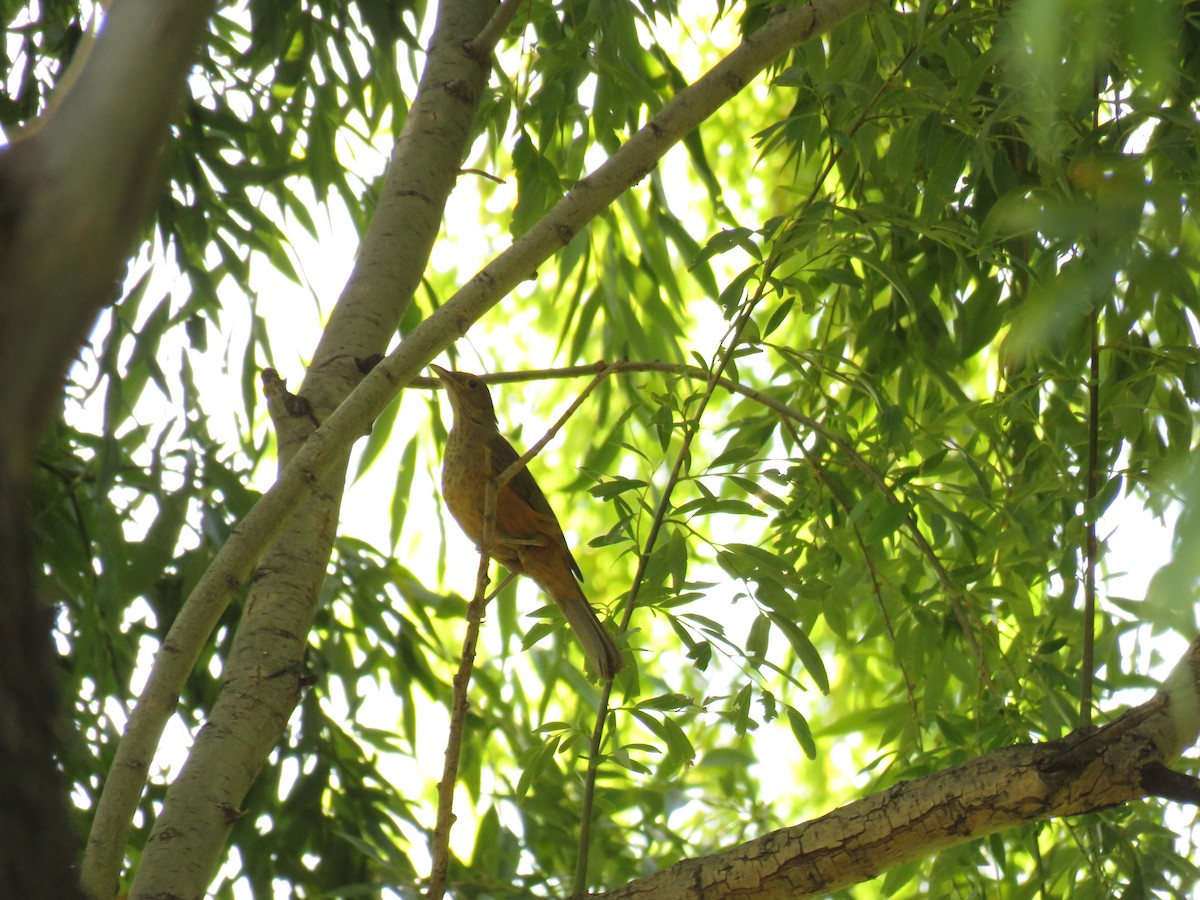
598 645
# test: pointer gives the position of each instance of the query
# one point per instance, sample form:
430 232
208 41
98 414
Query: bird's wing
526 488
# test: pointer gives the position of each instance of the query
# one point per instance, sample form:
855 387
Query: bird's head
469 397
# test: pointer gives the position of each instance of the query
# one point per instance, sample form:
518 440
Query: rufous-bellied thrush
527 538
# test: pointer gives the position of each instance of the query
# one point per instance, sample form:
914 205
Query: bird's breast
464 482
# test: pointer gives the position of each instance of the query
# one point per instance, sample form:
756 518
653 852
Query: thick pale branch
1087 771
408 214
73 191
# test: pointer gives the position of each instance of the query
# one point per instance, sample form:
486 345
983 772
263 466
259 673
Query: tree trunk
74 189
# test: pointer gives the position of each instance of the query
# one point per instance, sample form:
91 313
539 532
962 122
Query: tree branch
1088 770
73 191
459 704
485 42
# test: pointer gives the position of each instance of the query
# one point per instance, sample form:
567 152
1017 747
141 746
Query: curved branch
1088 770
844 447
723 355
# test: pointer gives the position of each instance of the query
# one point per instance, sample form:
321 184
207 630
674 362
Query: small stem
589 792
1089 511
508 474
440 850
660 513
458 717
482 174
835 492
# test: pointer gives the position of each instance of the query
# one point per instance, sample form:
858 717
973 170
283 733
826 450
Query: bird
527 539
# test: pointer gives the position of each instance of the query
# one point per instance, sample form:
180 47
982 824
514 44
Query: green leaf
534 763
403 488
801 732
756 640
726 240
805 651
381 433
885 524
708 506
614 487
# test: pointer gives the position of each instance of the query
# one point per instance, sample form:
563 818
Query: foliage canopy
903 321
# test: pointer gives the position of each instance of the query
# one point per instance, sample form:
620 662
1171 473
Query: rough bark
1086 771
37 842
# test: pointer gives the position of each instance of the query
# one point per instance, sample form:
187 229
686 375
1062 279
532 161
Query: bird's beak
441 373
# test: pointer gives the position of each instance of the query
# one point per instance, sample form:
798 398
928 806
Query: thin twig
589 790
482 174
953 591
475 610
723 355
1087 676
508 474
871 569
1089 511
440 850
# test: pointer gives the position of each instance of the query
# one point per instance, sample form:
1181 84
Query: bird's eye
472 383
